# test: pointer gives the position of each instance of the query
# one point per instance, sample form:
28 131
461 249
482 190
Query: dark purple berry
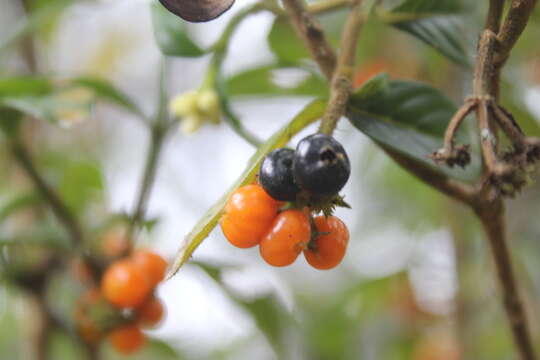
276 175
321 165
197 10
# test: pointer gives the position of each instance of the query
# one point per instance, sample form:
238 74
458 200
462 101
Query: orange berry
150 313
153 265
367 71
249 212
328 249
127 339
288 235
125 284
114 243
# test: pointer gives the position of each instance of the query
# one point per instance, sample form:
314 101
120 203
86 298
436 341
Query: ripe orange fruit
127 339
114 243
328 249
248 215
125 284
150 313
288 235
367 71
153 265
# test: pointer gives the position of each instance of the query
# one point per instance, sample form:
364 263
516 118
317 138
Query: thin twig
449 153
215 76
495 12
157 140
487 138
513 26
341 86
509 126
493 220
61 211
326 5
455 189
311 32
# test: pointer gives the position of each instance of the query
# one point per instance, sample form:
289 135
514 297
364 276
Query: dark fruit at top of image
321 165
276 175
197 10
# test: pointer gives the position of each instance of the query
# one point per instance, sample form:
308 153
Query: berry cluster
319 166
124 303
259 215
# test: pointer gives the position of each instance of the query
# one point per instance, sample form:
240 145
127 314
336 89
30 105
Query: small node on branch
459 156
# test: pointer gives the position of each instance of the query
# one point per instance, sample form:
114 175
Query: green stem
60 210
214 77
158 136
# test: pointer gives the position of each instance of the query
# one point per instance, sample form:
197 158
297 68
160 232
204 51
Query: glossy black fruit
321 165
197 10
276 176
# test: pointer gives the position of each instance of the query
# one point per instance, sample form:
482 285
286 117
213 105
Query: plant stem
158 136
311 32
60 210
495 12
215 79
492 218
341 87
326 5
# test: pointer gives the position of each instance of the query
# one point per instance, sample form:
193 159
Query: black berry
276 175
321 165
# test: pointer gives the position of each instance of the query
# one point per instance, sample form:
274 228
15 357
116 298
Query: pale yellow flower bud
208 104
184 104
190 124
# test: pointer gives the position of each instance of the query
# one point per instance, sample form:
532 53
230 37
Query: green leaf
50 108
170 34
81 183
107 91
409 118
268 314
261 81
24 86
285 44
270 319
10 119
434 23
429 6
202 229
442 33
372 87
18 202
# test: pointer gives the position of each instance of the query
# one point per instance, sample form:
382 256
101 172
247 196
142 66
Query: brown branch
513 26
487 138
60 210
341 86
509 126
483 83
449 153
495 12
493 220
455 189
312 34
